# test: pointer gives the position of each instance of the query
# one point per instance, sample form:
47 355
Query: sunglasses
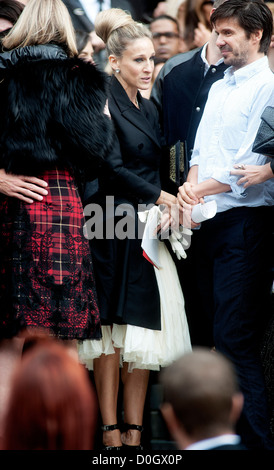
166 35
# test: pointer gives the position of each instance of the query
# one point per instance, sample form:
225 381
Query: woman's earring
117 70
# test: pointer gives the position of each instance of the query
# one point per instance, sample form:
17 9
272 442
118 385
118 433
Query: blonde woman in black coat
52 127
143 318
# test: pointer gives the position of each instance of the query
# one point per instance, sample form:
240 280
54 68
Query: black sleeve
116 176
156 95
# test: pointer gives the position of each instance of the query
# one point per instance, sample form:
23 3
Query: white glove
148 215
178 241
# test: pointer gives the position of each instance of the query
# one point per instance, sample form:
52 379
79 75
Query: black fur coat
51 113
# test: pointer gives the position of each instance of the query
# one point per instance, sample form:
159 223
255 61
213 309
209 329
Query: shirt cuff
223 176
194 161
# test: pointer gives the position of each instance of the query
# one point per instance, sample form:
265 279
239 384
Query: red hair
52 404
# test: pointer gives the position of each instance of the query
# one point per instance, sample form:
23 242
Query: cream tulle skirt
143 348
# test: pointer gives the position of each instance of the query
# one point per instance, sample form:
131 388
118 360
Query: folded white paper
205 211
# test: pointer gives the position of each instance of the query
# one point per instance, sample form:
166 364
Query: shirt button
198 109
213 70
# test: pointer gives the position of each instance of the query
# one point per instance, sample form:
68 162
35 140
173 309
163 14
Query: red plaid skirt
46 273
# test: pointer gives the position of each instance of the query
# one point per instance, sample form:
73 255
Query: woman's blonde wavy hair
42 22
117 28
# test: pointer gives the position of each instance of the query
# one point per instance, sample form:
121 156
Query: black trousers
232 261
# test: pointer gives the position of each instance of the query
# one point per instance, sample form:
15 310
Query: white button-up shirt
213 442
227 131
204 59
92 7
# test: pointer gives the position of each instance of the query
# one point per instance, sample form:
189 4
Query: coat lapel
131 113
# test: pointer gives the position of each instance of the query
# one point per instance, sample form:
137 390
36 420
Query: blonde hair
42 22
117 28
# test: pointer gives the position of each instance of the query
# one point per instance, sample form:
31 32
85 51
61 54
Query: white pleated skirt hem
143 348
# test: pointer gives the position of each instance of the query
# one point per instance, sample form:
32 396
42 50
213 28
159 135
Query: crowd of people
118 121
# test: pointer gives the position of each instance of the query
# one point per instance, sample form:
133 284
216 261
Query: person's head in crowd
196 15
206 9
42 22
10 10
129 47
84 46
270 53
251 23
160 9
201 397
199 11
52 405
166 36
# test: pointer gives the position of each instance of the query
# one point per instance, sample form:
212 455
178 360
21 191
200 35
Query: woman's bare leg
106 376
135 388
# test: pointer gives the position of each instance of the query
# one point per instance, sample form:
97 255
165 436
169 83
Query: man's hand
201 35
97 43
25 188
252 174
186 194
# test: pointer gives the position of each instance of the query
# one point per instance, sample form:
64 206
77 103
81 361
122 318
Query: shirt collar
246 72
204 59
232 439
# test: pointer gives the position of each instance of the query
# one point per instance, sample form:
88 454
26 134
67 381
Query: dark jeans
233 266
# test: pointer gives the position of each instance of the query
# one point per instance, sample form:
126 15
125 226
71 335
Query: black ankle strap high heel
110 427
138 427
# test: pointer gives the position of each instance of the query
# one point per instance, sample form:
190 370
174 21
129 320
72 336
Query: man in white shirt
202 401
233 263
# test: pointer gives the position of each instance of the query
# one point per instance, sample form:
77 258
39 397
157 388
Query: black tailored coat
126 283
180 94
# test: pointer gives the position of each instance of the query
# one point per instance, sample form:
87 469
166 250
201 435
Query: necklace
136 103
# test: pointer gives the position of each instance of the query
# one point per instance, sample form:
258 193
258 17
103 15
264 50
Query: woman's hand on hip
25 188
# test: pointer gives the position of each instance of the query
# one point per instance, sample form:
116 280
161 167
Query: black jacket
51 112
124 278
135 158
180 94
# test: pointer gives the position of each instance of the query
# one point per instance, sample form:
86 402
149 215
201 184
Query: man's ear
236 407
169 416
257 35
174 426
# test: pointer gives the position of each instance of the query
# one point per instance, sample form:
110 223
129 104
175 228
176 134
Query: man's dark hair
11 10
251 16
165 17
